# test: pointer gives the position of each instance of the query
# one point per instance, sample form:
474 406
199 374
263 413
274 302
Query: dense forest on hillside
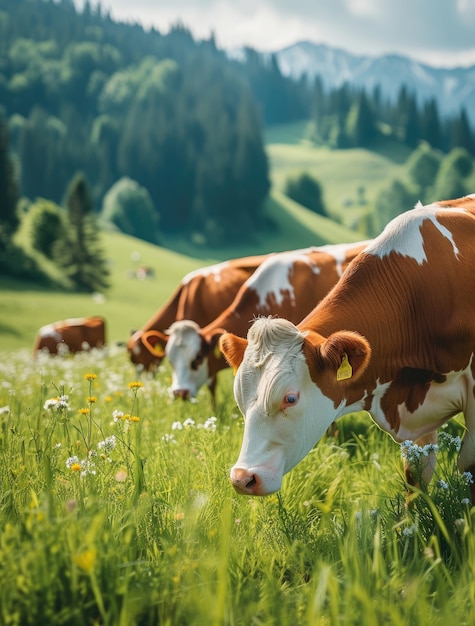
165 130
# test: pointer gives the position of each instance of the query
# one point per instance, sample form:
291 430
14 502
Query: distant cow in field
395 338
288 284
71 335
200 296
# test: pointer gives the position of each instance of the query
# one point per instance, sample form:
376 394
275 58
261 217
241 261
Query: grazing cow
200 296
71 335
288 284
395 337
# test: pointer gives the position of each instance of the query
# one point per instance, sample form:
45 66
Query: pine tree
8 191
79 252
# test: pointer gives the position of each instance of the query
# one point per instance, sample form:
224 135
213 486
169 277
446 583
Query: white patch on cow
215 269
403 234
49 331
272 277
339 252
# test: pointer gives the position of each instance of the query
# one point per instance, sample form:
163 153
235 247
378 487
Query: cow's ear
345 353
233 348
212 341
155 342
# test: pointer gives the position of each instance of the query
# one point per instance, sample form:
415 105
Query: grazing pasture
116 508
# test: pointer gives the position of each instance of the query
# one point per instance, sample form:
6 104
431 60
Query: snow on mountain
451 88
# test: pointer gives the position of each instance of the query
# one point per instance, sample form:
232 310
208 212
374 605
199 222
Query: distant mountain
452 88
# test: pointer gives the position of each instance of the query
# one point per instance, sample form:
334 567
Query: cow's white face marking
183 347
403 234
285 413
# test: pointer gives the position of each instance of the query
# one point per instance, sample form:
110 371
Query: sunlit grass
116 508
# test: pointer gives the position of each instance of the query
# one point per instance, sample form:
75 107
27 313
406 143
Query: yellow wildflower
83 411
76 467
85 560
91 399
135 385
134 418
90 376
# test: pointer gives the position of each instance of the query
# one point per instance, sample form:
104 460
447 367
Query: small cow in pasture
288 284
395 338
200 296
71 335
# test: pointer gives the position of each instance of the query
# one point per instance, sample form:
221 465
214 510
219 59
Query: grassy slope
130 302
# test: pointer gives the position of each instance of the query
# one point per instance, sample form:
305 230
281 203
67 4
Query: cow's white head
290 386
188 352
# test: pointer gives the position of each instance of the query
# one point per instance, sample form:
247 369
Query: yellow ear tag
345 370
217 352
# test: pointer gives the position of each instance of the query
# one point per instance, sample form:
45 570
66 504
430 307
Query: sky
437 32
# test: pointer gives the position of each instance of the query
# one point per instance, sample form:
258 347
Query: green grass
151 532
130 302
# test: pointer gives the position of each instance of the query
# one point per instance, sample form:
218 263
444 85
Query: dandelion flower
91 399
90 376
83 411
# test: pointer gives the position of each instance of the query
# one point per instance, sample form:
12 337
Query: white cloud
435 31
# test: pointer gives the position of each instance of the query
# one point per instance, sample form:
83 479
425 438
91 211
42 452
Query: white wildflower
410 530
468 477
117 415
177 426
107 445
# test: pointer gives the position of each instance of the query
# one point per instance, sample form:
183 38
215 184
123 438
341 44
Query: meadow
116 509
115 503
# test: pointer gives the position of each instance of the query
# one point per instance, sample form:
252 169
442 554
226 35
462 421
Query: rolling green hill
131 301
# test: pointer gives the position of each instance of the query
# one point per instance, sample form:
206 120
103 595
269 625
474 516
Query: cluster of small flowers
85 466
449 442
413 453
210 424
119 417
409 531
169 438
58 403
107 445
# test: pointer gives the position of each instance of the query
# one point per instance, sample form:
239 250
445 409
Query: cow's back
75 334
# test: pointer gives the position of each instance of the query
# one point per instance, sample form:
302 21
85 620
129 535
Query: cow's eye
290 399
197 361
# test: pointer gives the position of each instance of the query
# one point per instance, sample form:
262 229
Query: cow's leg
212 389
466 460
428 463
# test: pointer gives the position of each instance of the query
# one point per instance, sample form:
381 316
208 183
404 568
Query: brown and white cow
71 335
200 296
395 337
288 284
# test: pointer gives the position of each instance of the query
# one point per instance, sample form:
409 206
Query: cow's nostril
251 483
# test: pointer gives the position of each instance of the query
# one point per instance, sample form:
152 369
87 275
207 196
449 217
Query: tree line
83 93
164 133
